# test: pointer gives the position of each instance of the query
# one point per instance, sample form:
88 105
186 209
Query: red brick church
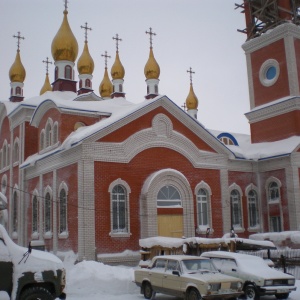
94 174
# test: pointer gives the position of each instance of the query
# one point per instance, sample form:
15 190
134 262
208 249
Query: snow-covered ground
90 280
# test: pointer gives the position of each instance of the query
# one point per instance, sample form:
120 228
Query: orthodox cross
191 74
151 34
47 62
106 57
117 41
86 28
19 37
184 106
66 4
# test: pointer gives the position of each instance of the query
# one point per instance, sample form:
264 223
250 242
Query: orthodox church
94 174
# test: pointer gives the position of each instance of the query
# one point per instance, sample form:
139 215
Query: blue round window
271 73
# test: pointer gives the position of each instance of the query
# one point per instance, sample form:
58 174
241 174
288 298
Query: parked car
258 278
189 277
29 274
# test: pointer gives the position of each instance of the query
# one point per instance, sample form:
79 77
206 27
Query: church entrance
169 212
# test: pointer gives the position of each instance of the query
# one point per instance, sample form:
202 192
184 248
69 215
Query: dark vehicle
29 274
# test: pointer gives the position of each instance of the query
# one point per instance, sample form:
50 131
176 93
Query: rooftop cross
47 62
151 34
86 28
66 5
19 37
191 74
106 57
117 41
184 106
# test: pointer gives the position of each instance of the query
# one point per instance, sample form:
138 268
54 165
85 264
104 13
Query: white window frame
250 188
35 233
125 185
63 234
48 234
240 226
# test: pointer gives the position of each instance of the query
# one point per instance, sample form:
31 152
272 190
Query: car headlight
291 282
269 282
209 287
239 285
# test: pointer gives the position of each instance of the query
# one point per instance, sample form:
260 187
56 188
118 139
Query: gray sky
201 34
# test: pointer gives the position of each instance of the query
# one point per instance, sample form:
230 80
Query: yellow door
170 225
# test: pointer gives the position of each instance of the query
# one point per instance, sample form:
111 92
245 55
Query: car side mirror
234 270
176 272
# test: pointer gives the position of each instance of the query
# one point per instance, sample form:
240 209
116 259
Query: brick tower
273 62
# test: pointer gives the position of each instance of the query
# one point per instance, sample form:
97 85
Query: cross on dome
105 58
151 34
47 62
86 28
191 74
19 37
66 4
117 41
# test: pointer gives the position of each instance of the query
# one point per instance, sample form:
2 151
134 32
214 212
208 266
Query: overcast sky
201 34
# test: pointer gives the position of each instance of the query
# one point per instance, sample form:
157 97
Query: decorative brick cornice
273 109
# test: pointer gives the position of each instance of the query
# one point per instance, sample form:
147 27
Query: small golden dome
17 71
47 86
151 69
64 45
191 100
117 70
85 64
106 87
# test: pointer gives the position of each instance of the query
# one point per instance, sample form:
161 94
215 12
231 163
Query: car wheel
36 293
251 292
193 294
148 291
282 296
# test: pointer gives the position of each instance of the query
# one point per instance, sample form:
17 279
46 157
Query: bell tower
272 52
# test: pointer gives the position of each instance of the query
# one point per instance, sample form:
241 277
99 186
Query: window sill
119 234
48 235
274 201
202 229
64 235
35 235
238 229
254 229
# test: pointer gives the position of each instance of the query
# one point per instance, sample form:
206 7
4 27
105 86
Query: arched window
253 208
56 73
202 202
42 140
68 72
168 196
47 213
273 191
147 89
55 133
119 209
4 156
87 83
35 214
62 211
236 213
15 212
156 89
120 88
80 83
48 135
18 91
16 151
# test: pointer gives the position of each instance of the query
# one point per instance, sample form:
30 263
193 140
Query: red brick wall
135 173
262 94
146 122
276 128
31 141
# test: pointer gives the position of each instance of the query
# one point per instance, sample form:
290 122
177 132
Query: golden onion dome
151 69
85 64
17 71
191 100
106 87
117 70
64 45
47 86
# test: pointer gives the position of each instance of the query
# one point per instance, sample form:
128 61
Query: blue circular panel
271 73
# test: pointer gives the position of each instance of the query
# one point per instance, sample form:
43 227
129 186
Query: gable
159 120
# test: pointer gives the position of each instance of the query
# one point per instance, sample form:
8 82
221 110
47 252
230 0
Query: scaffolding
263 15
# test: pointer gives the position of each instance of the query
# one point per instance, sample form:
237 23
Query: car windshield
198 265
